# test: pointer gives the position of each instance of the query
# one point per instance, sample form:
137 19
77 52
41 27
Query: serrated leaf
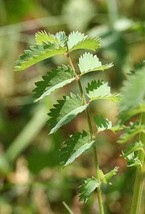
89 62
77 40
44 37
130 131
131 155
87 188
133 91
99 90
65 111
59 38
55 79
133 160
62 38
75 146
102 123
38 53
90 184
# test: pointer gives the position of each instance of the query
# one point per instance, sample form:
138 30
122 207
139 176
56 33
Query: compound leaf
87 188
77 40
99 90
65 111
77 144
55 79
102 123
89 62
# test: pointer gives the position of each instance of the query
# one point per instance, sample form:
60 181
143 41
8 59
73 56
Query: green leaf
109 175
99 90
117 127
130 131
87 188
132 160
90 184
38 53
75 146
137 146
62 38
65 111
43 37
77 40
133 91
102 123
131 155
89 62
55 79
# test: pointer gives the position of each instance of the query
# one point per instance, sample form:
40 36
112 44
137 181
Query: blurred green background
31 180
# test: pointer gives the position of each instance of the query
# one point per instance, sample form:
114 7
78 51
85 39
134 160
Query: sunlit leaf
55 79
65 111
99 90
59 38
102 123
44 37
38 53
77 40
77 144
89 62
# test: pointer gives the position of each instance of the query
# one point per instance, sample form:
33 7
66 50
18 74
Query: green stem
67 207
99 191
139 180
100 200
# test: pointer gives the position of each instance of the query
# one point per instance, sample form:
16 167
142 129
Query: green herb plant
132 118
66 109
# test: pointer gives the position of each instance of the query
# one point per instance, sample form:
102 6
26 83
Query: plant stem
139 180
67 207
100 200
99 191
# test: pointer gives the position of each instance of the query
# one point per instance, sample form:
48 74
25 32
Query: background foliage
31 180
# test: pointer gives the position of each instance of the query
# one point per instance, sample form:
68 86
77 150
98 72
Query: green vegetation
66 109
96 108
